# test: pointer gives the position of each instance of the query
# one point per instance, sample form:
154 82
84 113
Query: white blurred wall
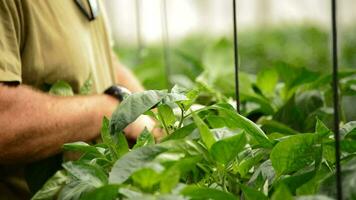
215 16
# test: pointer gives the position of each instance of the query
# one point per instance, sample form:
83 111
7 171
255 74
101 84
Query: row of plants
281 146
299 45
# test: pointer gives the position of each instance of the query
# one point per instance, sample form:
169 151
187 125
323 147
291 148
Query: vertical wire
165 40
138 30
336 104
236 58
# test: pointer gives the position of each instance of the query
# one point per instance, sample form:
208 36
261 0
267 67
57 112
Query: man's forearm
34 125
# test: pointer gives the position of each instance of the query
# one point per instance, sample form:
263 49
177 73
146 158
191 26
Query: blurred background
168 42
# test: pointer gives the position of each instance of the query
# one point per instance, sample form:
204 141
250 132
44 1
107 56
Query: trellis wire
138 30
236 57
165 40
336 98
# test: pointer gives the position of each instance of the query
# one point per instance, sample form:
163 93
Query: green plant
208 153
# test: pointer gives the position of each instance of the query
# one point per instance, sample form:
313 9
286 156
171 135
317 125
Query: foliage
281 146
208 153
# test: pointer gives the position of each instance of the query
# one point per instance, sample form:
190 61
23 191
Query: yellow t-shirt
43 41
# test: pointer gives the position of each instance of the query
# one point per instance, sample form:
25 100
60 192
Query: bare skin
35 125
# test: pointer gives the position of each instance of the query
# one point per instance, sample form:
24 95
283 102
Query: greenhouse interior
177 100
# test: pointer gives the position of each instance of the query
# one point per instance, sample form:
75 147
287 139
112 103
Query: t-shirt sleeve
10 41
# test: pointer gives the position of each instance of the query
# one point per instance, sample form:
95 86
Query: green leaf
83 148
144 139
75 190
252 194
169 180
86 88
348 146
295 181
248 162
180 133
282 192
108 140
200 193
267 80
86 173
107 192
205 133
122 145
223 151
349 130
247 125
166 114
321 129
146 178
61 88
272 126
293 153
52 186
132 107
132 162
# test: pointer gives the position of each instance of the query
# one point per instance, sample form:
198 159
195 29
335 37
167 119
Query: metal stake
336 99
165 40
236 56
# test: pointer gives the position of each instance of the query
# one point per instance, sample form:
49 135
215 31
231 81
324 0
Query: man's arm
35 125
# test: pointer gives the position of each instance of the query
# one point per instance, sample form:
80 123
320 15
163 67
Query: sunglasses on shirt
93 11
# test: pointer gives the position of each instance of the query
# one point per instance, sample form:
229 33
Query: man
42 42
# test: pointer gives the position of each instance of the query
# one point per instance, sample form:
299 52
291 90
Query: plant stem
181 118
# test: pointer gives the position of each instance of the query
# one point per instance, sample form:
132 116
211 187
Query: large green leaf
293 153
223 151
132 162
247 125
134 106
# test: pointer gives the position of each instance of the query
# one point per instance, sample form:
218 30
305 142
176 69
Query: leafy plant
198 159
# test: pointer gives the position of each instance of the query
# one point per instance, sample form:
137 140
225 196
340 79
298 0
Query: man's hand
134 129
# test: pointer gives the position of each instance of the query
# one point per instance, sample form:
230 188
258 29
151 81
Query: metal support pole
165 40
336 105
140 46
236 56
